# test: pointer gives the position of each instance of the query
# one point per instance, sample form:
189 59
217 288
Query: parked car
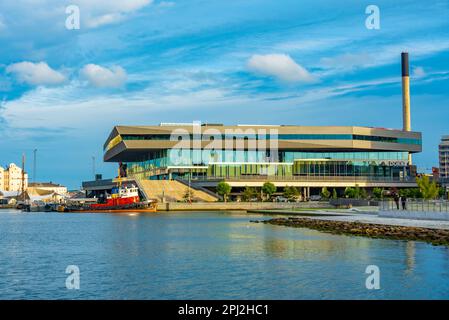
315 197
281 199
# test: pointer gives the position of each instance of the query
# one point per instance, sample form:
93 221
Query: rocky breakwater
434 236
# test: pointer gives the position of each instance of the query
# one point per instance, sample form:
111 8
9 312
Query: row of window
164 158
280 137
308 169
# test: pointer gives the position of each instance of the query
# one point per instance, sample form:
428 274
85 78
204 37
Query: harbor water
205 255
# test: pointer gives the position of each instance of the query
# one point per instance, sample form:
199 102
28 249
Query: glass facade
217 164
289 156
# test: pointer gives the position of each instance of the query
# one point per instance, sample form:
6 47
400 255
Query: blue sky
142 62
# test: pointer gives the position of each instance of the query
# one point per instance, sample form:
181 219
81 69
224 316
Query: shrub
334 194
429 190
378 193
268 188
325 193
249 193
224 189
291 192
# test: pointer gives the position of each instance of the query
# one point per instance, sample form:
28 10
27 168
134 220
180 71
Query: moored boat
122 199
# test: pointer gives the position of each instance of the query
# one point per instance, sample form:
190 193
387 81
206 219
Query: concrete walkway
362 216
375 219
319 212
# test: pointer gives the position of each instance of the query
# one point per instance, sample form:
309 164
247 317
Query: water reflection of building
309 244
410 254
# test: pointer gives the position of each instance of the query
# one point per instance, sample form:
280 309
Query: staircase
172 190
199 188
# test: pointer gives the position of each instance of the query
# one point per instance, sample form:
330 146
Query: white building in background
11 178
47 186
2 179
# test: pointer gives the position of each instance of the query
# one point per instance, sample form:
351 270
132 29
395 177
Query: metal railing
415 205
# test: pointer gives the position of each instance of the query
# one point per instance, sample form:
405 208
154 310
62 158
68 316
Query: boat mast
23 177
119 177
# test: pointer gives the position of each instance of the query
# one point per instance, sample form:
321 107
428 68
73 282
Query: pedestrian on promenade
404 202
396 200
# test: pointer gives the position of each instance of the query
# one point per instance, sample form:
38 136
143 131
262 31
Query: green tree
357 192
291 192
334 194
378 193
224 189
441 192
428 189
363 194
413 193
325 193
188 195
268 188
249 193
350 193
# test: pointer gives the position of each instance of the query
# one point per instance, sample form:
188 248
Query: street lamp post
93 166
34 165
189 190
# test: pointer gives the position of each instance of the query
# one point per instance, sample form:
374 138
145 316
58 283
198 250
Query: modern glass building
252 154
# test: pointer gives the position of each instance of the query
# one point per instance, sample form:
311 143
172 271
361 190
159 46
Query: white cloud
102 77
166 4
280 66
36 73
49 15
98 113
379 55
418 72
102 12
347 60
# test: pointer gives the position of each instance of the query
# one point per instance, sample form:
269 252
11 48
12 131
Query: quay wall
7 206
214 206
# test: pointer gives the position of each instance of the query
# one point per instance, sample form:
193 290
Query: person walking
396 200
404 202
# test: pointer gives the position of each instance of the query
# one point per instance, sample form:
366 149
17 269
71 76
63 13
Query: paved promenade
374 219
363 215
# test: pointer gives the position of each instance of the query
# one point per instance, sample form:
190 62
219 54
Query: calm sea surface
205 255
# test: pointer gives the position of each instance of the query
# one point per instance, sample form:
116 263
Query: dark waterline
205 255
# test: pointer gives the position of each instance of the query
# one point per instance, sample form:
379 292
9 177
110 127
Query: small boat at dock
123 198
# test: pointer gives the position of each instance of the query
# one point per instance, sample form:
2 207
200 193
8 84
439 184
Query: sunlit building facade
11 178
252 154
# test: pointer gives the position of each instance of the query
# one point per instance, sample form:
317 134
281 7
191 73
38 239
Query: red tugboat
123 198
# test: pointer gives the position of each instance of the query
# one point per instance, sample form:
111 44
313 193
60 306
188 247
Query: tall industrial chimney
405 93
406 97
